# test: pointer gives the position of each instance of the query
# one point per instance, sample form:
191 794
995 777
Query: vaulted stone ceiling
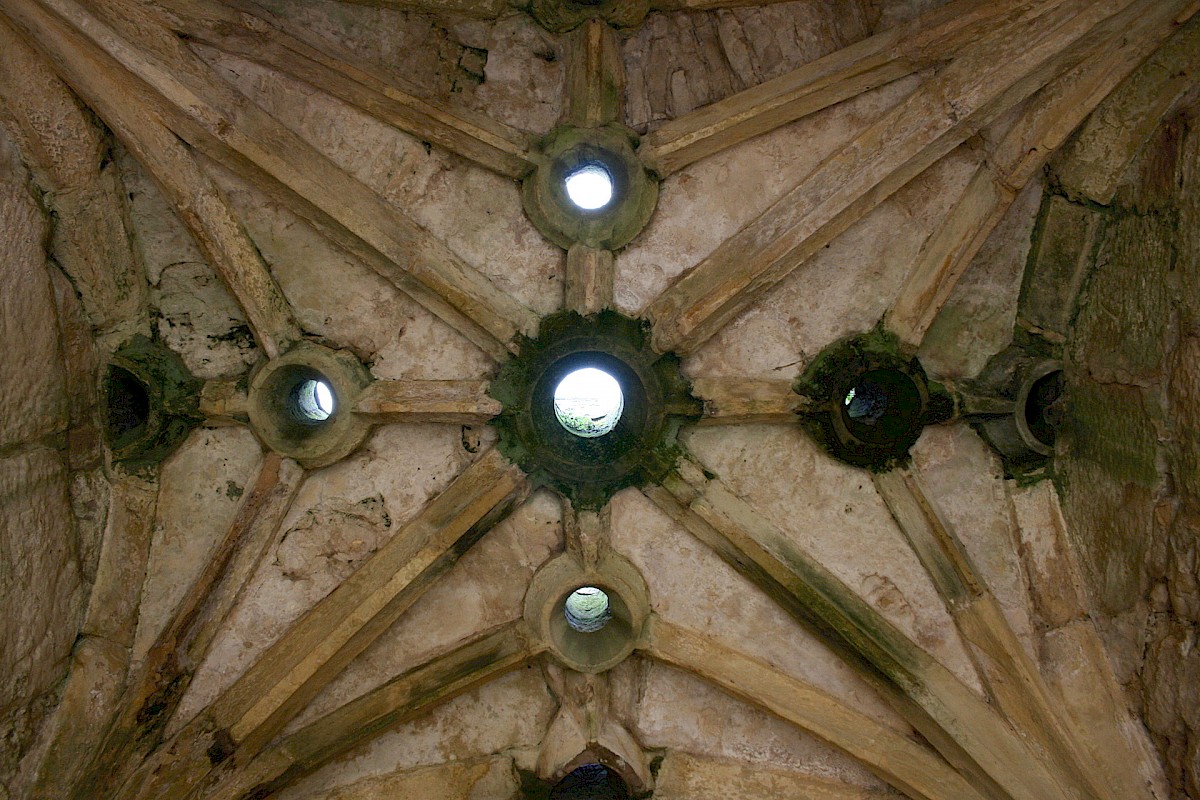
371 611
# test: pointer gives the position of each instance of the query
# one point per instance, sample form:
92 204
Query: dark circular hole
128 403
1044 407
881 406
590 782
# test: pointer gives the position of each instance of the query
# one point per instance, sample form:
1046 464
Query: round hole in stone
1044 407
312 400
587 609
590 186
128 404
881 405
590 782
588 402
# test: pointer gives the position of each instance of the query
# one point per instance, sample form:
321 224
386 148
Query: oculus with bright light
313 401
588 402
590 187
587 609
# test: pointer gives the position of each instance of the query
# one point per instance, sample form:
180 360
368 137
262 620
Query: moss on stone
589 470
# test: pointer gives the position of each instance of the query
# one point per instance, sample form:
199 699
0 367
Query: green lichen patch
876 431
640 449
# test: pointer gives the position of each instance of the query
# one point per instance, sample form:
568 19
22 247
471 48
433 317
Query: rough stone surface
678 62
678 710
731 188
843 523
507 714
1128 470
193 313
683 776
41 592
41 585
483 779
965 480
692 587
977 320
342 514
200 489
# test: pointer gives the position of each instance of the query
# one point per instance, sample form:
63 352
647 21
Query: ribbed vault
350 618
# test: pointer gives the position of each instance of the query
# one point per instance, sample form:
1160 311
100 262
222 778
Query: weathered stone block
31 379
1064 245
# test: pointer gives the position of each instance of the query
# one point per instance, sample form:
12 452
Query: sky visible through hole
588 402
590 187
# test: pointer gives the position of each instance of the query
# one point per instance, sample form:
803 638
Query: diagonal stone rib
913 769
208 113
965 729
1022 149
245 29
316 648
63 147
202 207
70 738
458 402
155 689
595 76
1007 670
403 698
746 401
982 82
931 38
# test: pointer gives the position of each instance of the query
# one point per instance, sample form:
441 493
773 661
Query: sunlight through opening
590 187
588 402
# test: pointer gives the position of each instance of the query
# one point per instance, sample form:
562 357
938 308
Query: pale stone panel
525 74
693 587
730 188
678 62
197 317
965 479
507 714
680 711
485 589
476 213
341 516
843 290
977 320
841 521
201 487
335 296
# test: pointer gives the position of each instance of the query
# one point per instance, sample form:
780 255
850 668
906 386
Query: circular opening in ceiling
1044 407
589 186
881 405
128 404
587 609
590 782
588 402
312 400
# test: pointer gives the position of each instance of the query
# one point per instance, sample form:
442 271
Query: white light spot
588 402
587 609
590 187
314 400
